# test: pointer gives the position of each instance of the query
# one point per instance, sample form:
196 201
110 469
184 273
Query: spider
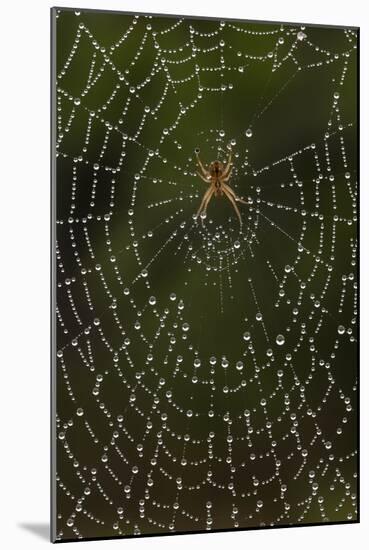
216 177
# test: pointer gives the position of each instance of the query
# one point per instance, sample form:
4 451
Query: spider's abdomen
218 188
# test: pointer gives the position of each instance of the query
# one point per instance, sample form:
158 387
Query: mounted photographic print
204 274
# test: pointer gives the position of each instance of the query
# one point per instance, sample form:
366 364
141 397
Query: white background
24 270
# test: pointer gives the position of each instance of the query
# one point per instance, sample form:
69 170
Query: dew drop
280 340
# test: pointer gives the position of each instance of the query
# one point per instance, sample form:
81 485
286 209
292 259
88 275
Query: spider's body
217 176
216 171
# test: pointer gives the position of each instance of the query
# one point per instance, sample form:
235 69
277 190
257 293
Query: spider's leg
207 195
238 199
244 202
226 175
206 204
230 197
229 188
228 167
202 177
204 172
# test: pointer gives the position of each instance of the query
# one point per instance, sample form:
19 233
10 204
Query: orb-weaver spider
217 176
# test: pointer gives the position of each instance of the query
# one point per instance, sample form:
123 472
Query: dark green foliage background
288 110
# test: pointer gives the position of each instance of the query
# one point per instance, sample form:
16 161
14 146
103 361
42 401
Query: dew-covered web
206 369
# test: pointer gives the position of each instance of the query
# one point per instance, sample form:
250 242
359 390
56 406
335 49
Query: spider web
206 371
